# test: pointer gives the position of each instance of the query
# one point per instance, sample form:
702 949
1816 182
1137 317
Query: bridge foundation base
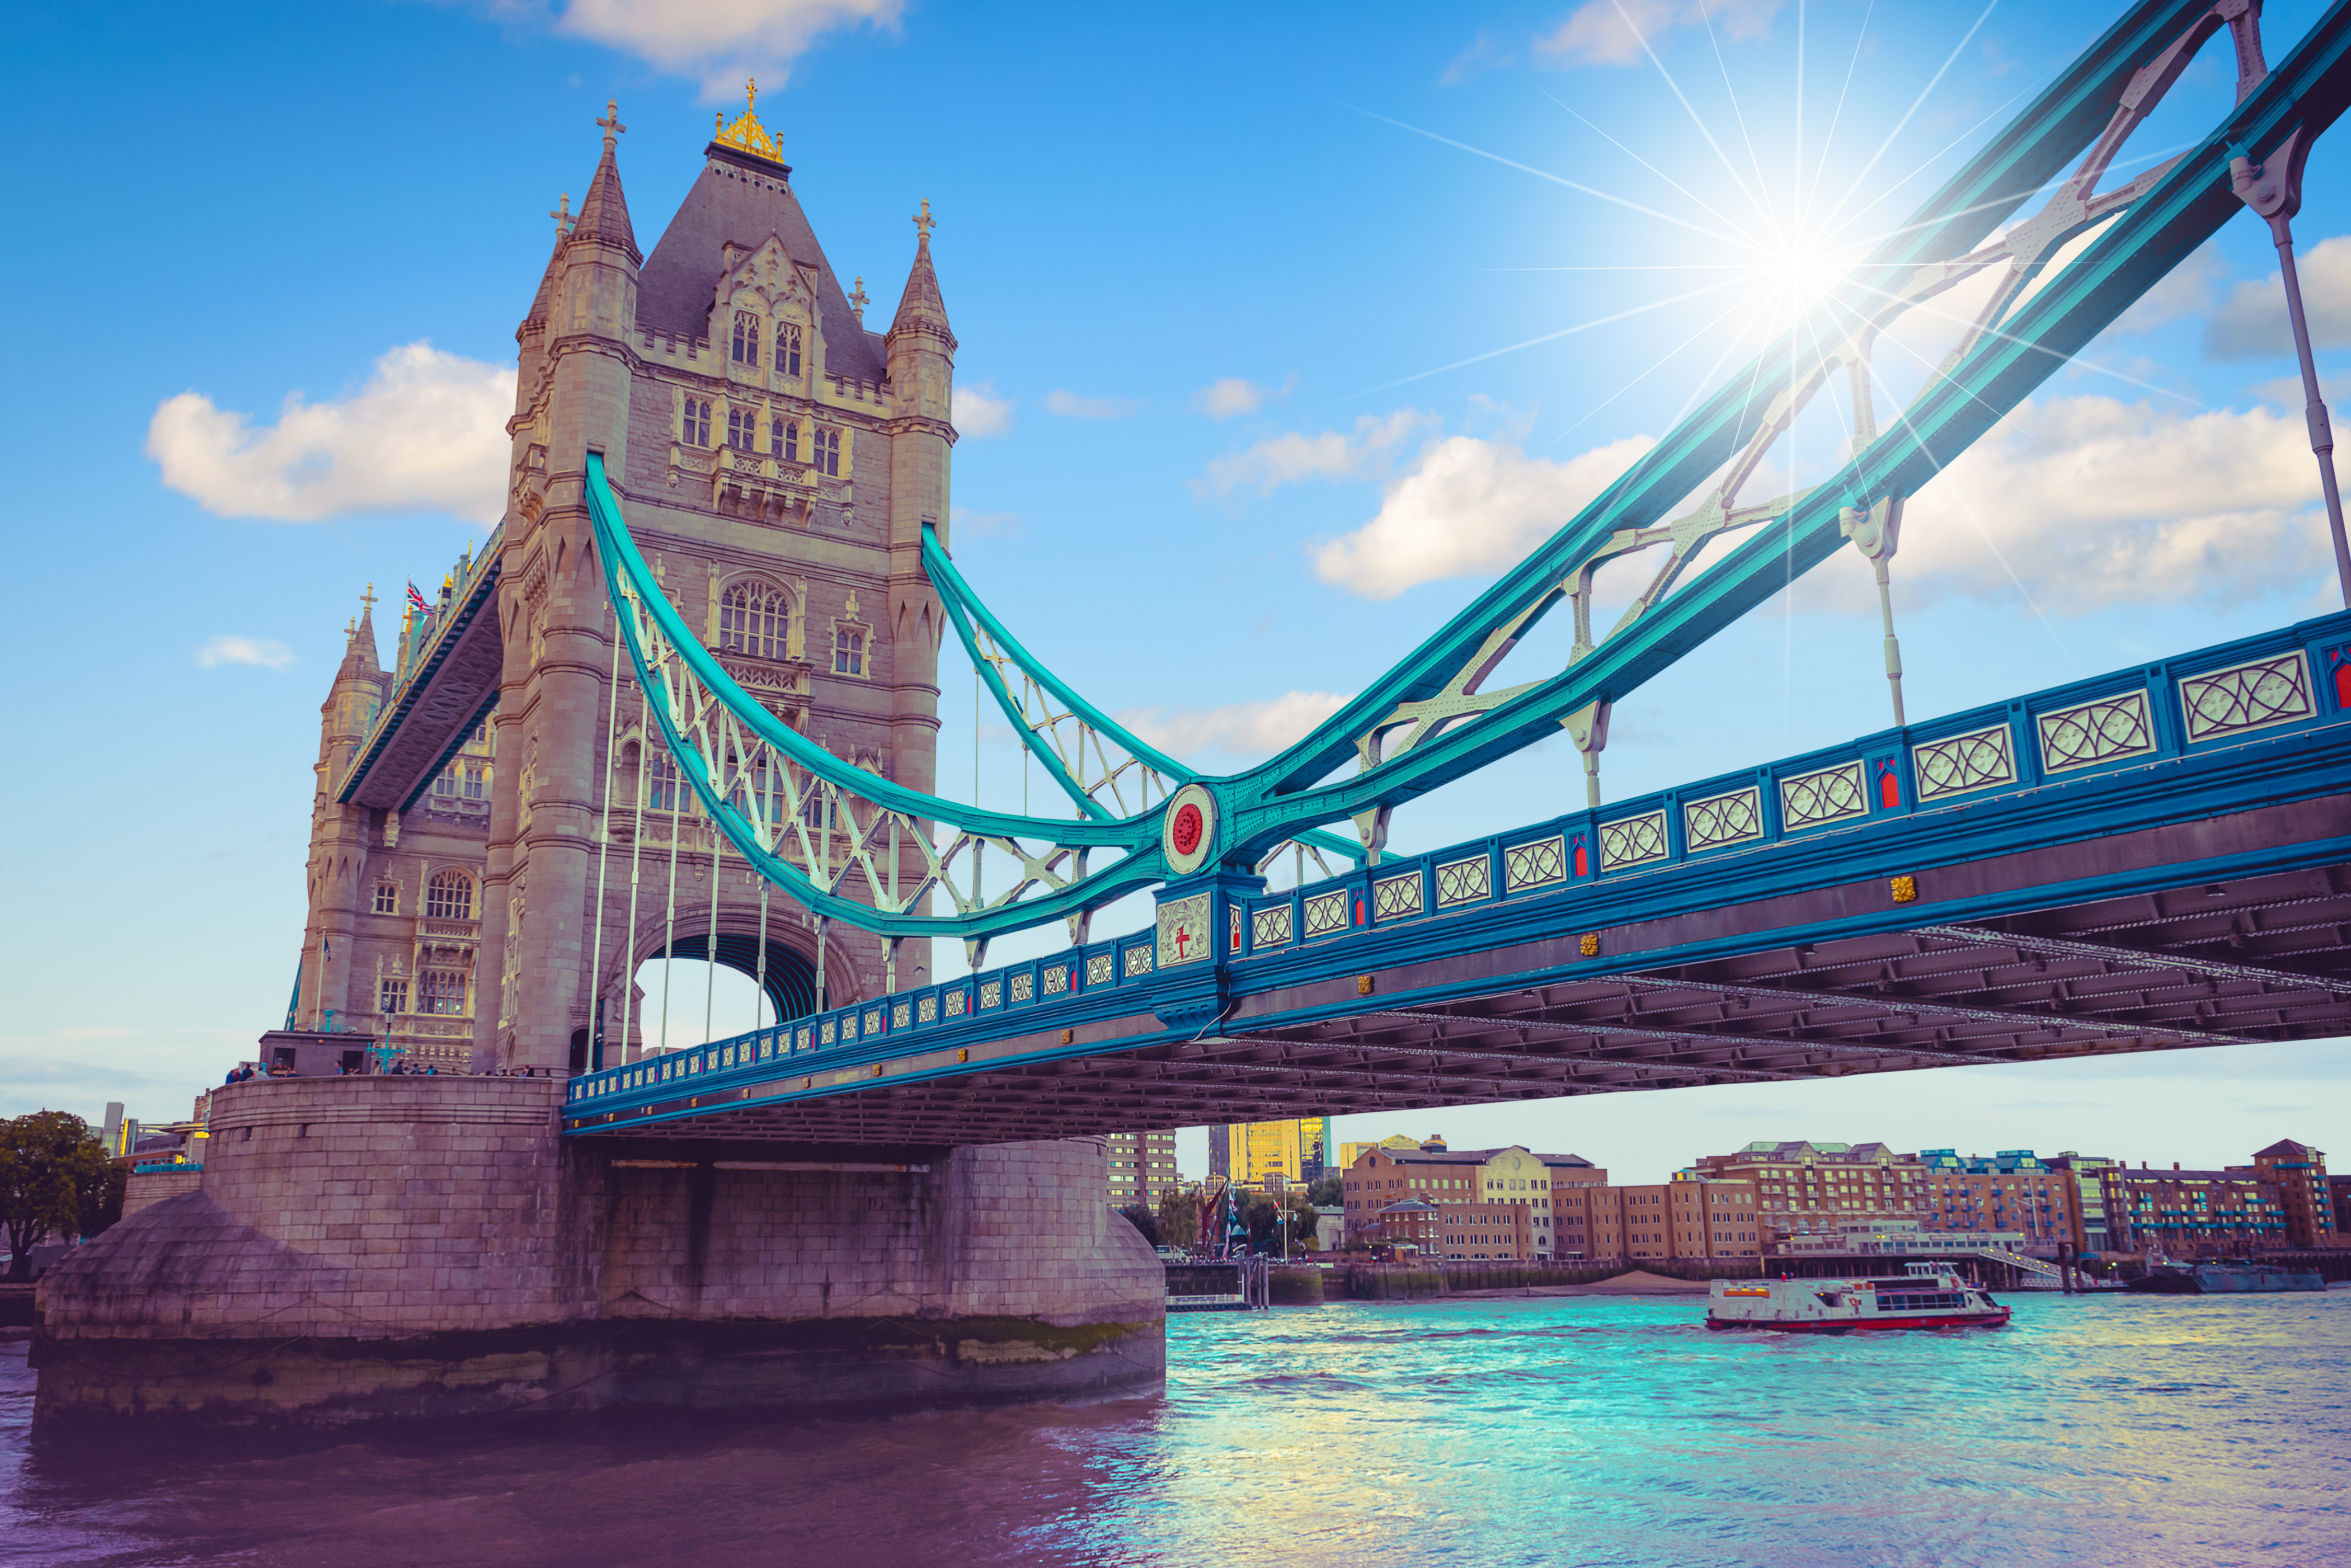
383 1247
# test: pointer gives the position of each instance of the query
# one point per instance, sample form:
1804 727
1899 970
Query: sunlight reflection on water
1579 1430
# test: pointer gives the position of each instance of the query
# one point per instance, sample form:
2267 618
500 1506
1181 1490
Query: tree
1142 1219
1179 1218
1328 1192
54 1181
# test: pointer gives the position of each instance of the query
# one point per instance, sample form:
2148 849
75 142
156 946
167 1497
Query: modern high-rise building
1248 1152
1141 1167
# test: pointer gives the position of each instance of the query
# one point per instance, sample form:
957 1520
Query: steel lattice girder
2150 226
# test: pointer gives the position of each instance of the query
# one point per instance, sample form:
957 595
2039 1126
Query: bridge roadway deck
2183 881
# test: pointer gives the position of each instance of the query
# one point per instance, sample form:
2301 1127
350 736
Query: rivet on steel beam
1069 1035
1589 944
1362 985
964 1055
877 1070
1906 889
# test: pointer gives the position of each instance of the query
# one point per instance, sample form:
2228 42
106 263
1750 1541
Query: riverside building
1488 1204
1141 1167
2011 1191
2298 1172
1805 1187
1269 1154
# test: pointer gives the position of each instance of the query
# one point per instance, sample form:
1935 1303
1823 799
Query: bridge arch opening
718 999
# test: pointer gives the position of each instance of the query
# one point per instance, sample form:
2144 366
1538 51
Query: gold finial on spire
561 213
857 300
747 134
611 122
924 222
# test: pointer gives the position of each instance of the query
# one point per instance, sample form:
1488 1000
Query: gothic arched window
387 898
449 896
755 619
787 349
745 349
849 652
784 440
665 788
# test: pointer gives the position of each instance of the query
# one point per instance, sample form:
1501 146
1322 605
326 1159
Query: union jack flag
416 600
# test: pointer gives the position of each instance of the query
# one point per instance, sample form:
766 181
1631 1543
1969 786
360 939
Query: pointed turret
921 306
604 215
359 661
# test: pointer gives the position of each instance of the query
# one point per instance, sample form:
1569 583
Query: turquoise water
1563 1430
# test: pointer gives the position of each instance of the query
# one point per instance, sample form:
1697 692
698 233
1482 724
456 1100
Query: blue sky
1282 329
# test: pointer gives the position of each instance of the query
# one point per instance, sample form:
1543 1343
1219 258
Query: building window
387 898
848 653
667 790
441 991
476 784
743 429
755 619
447 783
449 896
824 451
391 996
787 349
745 348
698 421
784 440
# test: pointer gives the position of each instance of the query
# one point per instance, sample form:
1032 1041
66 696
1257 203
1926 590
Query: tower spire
604 213
746 134
920 305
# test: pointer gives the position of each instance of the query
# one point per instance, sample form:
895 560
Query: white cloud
2094 502
1072 405
971 525
1468 507
263 653
979 413
2185 291
1247 728
1482 55
1610 32
426 433
1286 459
1232 395
716 41
2253 323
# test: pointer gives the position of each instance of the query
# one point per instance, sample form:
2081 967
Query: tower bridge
684 699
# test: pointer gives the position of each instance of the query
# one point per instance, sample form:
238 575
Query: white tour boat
1927 1297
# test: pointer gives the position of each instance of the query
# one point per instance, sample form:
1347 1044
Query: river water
1579 1430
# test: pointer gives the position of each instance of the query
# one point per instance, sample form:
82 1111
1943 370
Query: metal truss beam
2137 958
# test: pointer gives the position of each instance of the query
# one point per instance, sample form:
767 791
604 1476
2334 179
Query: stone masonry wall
428 1247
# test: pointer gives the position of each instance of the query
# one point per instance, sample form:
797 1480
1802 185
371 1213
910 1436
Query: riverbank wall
362 1248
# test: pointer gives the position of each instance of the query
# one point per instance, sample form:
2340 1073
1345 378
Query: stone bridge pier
396 1247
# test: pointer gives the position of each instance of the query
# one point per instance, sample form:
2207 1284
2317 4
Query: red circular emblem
1189 827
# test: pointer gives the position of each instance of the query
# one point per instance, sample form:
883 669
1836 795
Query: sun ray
1908 114
1828 140
1691 109
1549 337
1558 180
1704 206
1666 359
1762 181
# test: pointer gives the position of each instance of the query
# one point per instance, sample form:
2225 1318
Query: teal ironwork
1427 721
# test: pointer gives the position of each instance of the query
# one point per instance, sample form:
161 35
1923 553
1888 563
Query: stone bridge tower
778 462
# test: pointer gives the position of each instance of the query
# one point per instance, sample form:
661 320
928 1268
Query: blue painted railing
2230 694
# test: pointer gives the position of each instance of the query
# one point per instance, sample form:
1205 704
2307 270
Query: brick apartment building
2013 1191
2299 1174
1141 1167
1480 1203
1516 1205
